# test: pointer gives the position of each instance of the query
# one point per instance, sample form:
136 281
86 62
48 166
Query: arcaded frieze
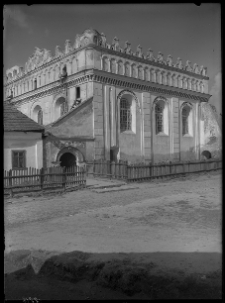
41 57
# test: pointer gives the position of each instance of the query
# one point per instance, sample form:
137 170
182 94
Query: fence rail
32 179
143 171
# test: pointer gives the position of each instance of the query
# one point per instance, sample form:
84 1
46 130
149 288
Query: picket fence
143 171
32 179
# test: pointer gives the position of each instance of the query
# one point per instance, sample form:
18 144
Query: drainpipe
199 130
110 122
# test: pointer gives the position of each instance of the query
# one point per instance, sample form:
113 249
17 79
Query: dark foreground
82 276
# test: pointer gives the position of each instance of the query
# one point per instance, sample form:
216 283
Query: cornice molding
142 85
113 79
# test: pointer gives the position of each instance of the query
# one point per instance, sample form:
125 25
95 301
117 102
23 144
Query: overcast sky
183 30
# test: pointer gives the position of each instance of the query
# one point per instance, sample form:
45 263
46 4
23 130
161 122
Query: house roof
14 120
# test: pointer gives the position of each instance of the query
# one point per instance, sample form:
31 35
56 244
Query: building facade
23 142
98 100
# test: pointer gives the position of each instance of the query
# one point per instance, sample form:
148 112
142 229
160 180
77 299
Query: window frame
40 111
189 121
78 90
24 159
127 116
157 115
165 117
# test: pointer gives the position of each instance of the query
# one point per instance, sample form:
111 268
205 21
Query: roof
72 110
14 120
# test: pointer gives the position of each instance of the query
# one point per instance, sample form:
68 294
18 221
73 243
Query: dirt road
179 218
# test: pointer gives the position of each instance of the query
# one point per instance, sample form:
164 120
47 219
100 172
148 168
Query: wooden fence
143 171
105 168
32 179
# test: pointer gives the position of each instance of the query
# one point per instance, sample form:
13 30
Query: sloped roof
14 120
72 110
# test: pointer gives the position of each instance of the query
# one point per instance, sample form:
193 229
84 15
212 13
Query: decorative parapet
91 36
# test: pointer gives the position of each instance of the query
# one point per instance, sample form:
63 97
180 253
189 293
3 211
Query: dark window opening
185 115
64 72
78 92
125 115
35 83
18 159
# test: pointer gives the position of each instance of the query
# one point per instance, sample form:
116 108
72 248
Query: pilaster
147 125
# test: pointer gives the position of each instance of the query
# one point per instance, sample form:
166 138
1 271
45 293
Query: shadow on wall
159 275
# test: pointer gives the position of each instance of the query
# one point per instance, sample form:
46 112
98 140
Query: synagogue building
98 100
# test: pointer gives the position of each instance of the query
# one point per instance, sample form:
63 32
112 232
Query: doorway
67 160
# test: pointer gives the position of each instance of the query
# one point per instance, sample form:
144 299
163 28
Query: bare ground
142 241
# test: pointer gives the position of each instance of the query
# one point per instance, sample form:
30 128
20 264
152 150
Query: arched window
159 117
105 64
133 71
35 83
60 108
125 115
40 117
120 68
127 69
113 66
186 120
161 113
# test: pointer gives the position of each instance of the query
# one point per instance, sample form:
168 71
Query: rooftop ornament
91 36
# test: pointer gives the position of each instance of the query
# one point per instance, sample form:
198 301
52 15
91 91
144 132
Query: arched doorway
206 154
68 156
67 160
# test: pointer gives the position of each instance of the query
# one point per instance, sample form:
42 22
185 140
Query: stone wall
212 132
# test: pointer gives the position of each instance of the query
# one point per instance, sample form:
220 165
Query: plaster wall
106 125
30 142
188 146
66 133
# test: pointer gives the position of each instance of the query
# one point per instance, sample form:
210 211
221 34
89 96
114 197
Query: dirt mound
122 274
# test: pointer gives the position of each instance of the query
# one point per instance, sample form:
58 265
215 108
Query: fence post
10 183
64 177
126 171
42 177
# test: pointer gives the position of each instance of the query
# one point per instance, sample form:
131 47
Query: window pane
185 114
40 117
125 115
159 118
21 161
18 159
15 159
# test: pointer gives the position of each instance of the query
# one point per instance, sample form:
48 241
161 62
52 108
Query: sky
187 31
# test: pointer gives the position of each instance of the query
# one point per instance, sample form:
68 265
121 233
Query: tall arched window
60 108
40 117
159 117
186 120
38 114
125 115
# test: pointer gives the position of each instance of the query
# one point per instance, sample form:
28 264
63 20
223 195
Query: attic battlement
91 36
